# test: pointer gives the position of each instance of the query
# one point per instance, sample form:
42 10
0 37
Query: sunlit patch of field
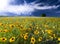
29 30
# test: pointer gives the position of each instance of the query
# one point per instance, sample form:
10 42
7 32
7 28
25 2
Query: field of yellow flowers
16 30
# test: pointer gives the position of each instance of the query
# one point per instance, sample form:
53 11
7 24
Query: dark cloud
49 12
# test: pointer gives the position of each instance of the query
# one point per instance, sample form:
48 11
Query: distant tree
43 15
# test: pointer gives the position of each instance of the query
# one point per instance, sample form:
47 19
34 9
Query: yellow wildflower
48 31
0 30
26 33
42 31
30 24
11 25
3 39
5 30
21 26
22 35
40 39
33 40
1 24
12 39
29 28
25 37
36 32
54 35
53 26
51 37
46 26
59 39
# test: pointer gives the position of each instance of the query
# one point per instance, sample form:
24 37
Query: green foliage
43 15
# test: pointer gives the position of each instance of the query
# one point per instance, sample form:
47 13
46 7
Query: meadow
29 30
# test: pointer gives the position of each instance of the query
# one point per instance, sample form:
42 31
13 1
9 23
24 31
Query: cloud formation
25 9
58 12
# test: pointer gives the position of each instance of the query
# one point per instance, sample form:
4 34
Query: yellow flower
1 24
59 39
37 27
46 26
3 39
21 26
26 33
48 31
29 29
54 35
12 39
51 37
22 35
5 30
30 24
33 40
25 37
53 26
42 31
0 30
40 39
36 32
11 25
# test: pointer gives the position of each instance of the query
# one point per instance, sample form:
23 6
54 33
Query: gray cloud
26 8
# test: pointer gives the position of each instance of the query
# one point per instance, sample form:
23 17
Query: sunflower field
17 30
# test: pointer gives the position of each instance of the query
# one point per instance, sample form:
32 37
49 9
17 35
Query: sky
30 8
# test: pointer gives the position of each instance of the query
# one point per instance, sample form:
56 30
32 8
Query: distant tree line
43 15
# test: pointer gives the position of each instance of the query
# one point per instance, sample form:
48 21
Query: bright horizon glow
3 4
